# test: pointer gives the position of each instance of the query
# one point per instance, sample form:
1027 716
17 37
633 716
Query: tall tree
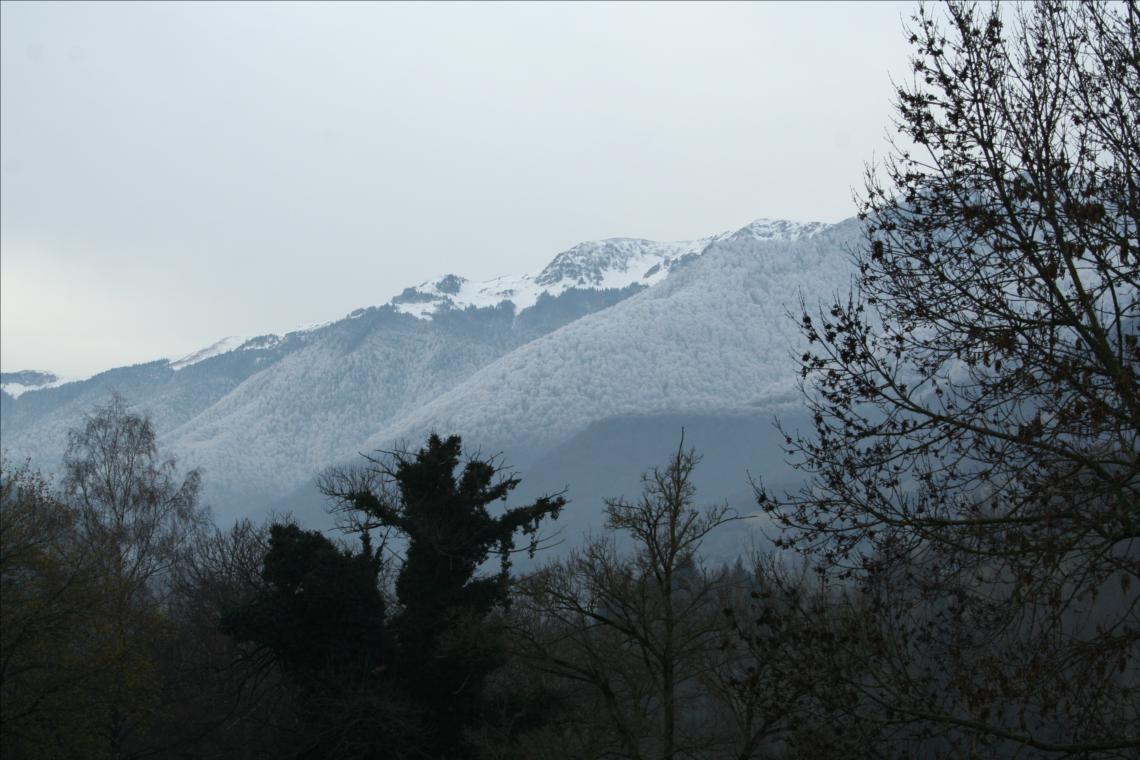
92 664
440 509
976 453
132 502
640 630
137 520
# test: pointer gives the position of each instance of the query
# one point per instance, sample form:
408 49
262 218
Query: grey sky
175 173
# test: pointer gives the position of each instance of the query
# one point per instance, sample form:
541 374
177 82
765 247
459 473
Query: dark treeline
959 578
135 628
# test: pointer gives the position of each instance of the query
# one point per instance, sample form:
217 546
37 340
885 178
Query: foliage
95 662
50 597
321 617
976 453
320 612
231 699
446 649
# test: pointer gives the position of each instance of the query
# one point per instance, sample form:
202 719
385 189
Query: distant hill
621 340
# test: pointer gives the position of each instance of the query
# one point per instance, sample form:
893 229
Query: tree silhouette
976 453
320 611
440 509
640 631
321 615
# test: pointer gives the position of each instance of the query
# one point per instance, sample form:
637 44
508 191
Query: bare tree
976 452
130 499
635 631
137 521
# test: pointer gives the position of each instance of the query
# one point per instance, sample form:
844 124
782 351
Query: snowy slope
265 413
716 337
519 364
223 346
615 263
16 384
283 425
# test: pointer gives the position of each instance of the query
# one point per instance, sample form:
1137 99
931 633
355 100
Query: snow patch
614 263
223 346
15 390
779 229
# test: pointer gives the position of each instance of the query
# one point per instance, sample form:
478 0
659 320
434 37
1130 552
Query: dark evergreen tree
321 612
322 616
446 647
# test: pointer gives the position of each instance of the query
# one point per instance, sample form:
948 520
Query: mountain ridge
621 326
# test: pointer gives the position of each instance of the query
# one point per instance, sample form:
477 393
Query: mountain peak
609 264
616 262
778 229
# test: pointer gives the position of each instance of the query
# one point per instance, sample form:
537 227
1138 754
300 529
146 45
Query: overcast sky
176 173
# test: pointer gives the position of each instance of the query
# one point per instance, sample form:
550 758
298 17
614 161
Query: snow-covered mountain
612 329
613 264
16 383
713 338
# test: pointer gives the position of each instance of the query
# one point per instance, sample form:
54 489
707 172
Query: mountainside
15 383
613 328
713 338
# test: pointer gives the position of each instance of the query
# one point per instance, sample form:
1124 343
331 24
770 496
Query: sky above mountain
173 173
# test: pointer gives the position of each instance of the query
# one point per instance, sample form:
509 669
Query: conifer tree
440 508
321 617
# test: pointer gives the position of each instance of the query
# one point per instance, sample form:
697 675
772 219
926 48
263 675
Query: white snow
15 390
223 346
600 264
779 229
613 263
713 336
262 342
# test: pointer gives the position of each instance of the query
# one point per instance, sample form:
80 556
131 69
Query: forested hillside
606 330
934 551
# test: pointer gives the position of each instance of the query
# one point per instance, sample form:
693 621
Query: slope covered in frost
612 264
264 414
715 337
521 365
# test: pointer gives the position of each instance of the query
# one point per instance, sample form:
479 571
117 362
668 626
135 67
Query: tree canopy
976 452
439 506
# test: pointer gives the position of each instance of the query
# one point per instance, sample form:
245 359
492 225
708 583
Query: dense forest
959 577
